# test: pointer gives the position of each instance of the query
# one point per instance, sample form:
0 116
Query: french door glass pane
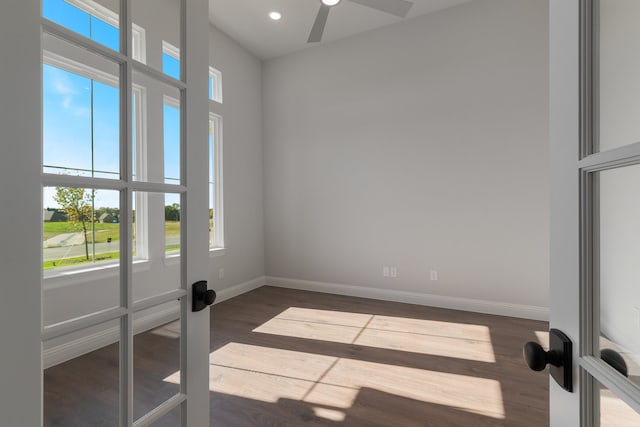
614 412
619 71
81 235
619 266
156 357
84 390
94 19
172 419
80 112
156 228
156 131
172 224
163 33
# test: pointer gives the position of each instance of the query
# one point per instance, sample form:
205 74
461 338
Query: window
216 224
94 21
81 137
170 60
171 126
215 85
85 17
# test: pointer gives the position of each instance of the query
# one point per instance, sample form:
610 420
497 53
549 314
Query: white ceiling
247 21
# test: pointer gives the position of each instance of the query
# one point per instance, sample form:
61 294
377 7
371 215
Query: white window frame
216 86
171 50
76 274
217 247
138 34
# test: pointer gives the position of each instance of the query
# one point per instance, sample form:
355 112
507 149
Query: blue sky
70 102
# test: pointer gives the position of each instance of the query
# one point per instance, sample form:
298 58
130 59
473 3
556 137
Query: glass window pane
171 124
172 419
96 20
172 224
83 391
156 131
156 357
157 236
619 236
81 232
171 66
619 73
162 32
614 412
80 112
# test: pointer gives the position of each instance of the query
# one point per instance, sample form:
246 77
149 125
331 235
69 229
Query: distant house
54 215
107 218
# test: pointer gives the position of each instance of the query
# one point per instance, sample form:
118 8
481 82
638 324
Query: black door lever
202 297
559 356
615 360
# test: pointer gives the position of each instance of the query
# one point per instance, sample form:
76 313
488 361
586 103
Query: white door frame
20 170
574 300
21 174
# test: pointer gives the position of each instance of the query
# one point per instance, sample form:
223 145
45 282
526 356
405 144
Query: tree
172 212
77 204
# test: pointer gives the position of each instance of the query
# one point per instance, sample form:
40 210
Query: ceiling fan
395 7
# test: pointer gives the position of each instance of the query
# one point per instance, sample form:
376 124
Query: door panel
122 184
594 157
614 412
618 232
156 359
618 66
85 390
163 33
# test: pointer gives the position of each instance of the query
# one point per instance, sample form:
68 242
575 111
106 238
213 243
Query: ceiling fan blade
395 7
318 25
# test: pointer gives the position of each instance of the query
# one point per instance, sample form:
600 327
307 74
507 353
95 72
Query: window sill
217 252
63 277
171 258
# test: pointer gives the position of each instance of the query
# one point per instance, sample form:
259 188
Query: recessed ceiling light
330 2
276 16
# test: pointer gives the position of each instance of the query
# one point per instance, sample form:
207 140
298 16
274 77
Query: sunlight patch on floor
329 414
329 317
543 338
249 371
616 413
436 338
482 396
309 330
292 364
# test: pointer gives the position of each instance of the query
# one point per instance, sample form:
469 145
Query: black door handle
559 356
202 297
615 360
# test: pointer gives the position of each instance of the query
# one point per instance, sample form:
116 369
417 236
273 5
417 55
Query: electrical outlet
433 275
385 271
393 272
221 273
636 317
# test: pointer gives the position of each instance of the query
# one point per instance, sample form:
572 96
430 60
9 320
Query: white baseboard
77 347
455 303
239 289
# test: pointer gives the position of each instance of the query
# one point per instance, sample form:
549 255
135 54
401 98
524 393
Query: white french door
124 185
595 233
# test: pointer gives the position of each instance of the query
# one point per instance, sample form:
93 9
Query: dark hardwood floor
292 358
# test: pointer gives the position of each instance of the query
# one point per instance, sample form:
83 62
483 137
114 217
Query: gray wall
422 145
243 165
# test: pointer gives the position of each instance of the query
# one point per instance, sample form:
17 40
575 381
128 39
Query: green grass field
102 233
68 262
